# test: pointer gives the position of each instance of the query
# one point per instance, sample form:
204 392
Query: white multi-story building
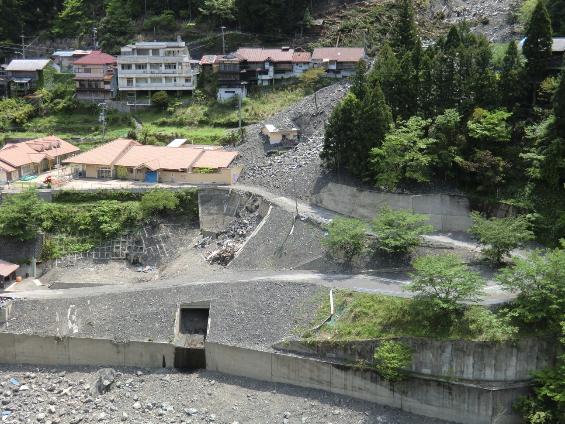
147 67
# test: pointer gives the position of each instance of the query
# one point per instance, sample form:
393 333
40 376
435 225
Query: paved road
382 282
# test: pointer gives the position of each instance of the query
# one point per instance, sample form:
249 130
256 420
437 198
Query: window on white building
170 66
126 66
140 66
129 82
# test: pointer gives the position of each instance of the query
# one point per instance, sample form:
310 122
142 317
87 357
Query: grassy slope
200 123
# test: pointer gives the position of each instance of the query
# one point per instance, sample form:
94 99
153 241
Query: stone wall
445 212
460 359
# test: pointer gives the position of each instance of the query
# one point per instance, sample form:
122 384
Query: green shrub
74 196
164 22
539 281
444 281
499 236
158 201
14 112
391 358
345 239
479 323
21 215
399 231
160 99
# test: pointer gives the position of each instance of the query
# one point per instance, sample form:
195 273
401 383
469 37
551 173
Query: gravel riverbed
89 395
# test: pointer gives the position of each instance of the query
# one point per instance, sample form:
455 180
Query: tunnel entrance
190 335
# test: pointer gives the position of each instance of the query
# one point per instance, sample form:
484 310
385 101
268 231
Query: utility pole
223 40
243 84
94 32
23 45
102 118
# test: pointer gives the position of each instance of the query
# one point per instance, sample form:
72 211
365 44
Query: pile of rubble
294 172
222 247
494 18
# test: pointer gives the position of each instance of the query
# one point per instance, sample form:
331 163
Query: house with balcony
95 77
258 66
146 67
339 62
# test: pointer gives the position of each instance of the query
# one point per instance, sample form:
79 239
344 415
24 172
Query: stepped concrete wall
459 359
445 212
460 402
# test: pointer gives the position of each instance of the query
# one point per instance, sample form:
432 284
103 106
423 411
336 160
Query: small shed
280 135
7 272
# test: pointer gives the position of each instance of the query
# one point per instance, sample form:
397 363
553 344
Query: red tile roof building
128 159
339 62
33 156
95 76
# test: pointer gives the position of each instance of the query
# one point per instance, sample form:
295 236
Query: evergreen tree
407 94
359 80
510 83
559 107
116 29
556 9
341 131
405 37
385 73
373 122
537 46
426 86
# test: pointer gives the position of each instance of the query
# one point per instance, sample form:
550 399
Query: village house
277 135
31 157
64 59
258 66
557 61
25 75
128 159
147 67
339 62
3 82
7 272
95 77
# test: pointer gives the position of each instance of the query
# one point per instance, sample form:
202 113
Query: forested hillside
117 21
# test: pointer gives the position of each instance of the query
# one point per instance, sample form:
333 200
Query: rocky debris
4 301
255 314
63 396
296 171
493 18
222 248
105 377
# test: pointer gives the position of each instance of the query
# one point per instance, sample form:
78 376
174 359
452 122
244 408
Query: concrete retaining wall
454 401
445 212
217 208
474 361
73 351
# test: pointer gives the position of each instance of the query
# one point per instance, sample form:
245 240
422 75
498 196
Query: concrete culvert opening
190 335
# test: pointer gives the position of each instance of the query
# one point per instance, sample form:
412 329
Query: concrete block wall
445 212
75 351
465 403
461 359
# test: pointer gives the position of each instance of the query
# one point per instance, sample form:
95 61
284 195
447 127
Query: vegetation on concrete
397 231
499 236
76 222
365 316
391 358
